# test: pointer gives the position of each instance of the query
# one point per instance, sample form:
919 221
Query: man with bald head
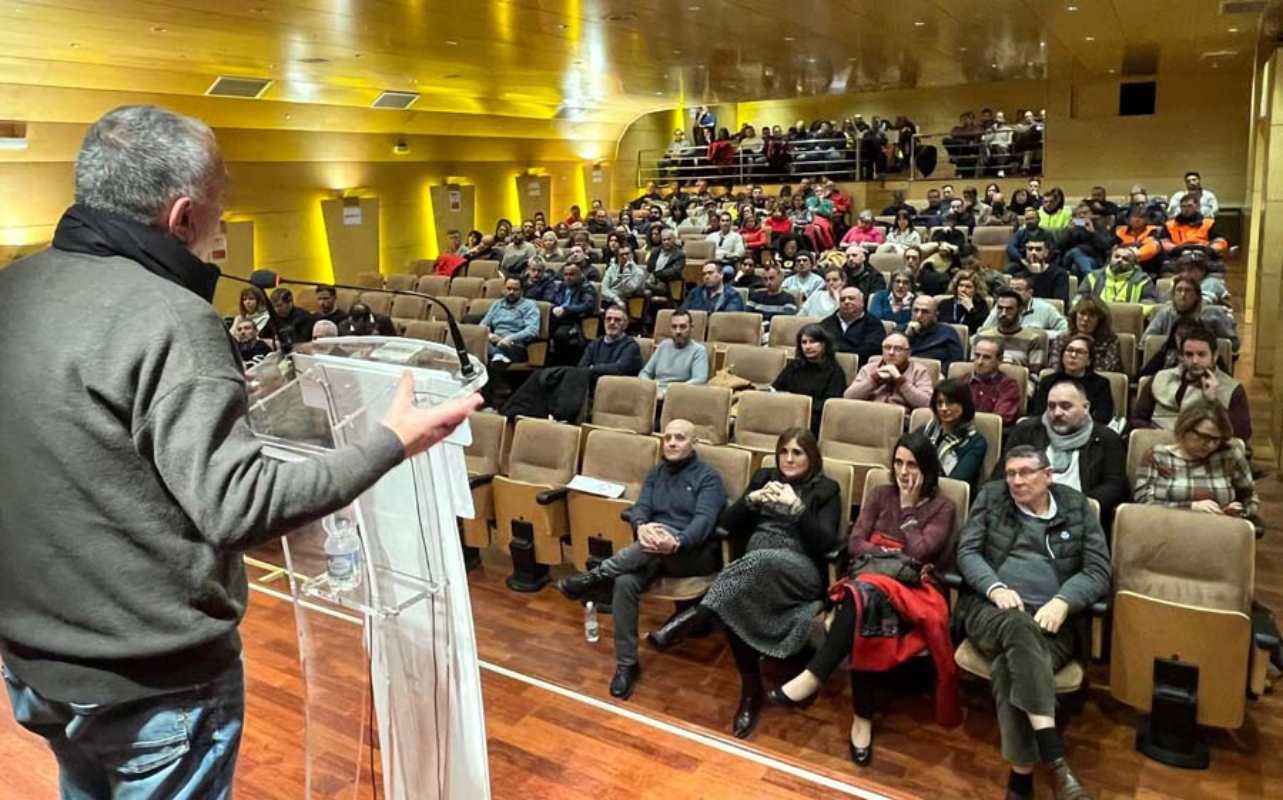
853 329
892 378
673 518
928 338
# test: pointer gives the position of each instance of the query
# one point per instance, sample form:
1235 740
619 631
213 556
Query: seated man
677 359
573 299
623 279
1033 558
1046 280
1207 203
771 301
852 329
1193 229
249 347
1084 454
930 277
1197 377
674 518
517 254
803 281
1142 237
511 322
727 243
295 323
1020 345
1121 281
928 338
1195 266
324 329
714 295
361 321
614 352
1029 231
1035 312
665 263
893 378
860 274
1187 304
540 282
326 305
991 391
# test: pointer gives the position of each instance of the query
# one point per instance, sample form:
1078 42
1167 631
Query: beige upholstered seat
425 330
489 434
624 403
760 365
1139 443
735 327
477 340
698 250
708 408
890 261
663 325
468 287
401 281
369 280
932 365
850 364
483 269
596 528
378 302
344 298
763 416
784 330
1068 679
435 285
1127 354
407 307
458 307
544 455
860 431
1127 318
493 287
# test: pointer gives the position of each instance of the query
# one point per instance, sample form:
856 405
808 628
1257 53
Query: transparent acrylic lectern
390 663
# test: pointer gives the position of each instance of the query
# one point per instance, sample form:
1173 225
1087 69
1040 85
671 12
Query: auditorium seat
990 242
932 366
784 330
708 408
369 280
860 433
663 325
1153 345
458 307
850 364
407 307
886 262
467 287
1127 354
477 340
762 416
699 250
344 298
596 527
492 288
420 266
401 282
489 435
624 403
435 285
754 363
1127 318
429 331
378 302
483 269
647 347
1139 443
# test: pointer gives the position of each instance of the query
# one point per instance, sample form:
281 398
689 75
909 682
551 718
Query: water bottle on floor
342 554
591 628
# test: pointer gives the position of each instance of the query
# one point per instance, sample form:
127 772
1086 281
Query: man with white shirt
803 281
728 244
1207 203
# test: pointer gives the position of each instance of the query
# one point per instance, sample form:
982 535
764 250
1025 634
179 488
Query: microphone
266 280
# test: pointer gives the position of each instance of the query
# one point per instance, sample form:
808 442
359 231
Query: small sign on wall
352 215
533 189
598 175
456 200
218 252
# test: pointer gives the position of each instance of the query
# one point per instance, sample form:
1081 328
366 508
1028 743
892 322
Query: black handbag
893 564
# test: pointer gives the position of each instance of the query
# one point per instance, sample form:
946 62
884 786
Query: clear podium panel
401 622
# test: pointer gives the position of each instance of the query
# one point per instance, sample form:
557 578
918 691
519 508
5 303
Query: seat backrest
409 307
379 302
489 432
860 431
369 280
991 235
620 458
932 365
476 339
420 266
458 307
699 250
1163 288
735 327
344 298
763 416
401 281
435 285
483 269
784 330
761 365
1020 374
1056 303
850 364
544 452
624 403
468 287
708 408
734 465
964 336
1141 441
1127 353
664 330
493 287
1127 318
1151 345
888 261
647 347
1118 387
426 330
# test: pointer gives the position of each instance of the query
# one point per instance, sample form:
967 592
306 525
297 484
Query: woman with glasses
1077 363
1204 470
1090 317
895 304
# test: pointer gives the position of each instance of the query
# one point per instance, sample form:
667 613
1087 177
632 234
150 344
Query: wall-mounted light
401 147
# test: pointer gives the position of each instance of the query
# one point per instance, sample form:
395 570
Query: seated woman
814 371
1090 316
1076 362
1204 470
756 237
824 302
896 303
767 599
968 305
902 234
951 431
912 518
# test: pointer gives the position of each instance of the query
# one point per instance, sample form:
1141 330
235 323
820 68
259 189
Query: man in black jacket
119 627
327 308
860 273
852 329
296 324
665 263
615 352
1084 454
1049 281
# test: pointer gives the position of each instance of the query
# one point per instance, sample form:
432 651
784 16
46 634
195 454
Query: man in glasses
1196 377
893 378
1033 559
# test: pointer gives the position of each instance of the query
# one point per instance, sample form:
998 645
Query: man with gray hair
119 631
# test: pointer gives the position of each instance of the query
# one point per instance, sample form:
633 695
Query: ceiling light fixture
1042 44
1089 38
788 38
1071 8
1233 30
451 43
919 24
694 8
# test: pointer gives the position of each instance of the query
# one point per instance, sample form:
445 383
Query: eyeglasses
1077 351
1025 473
893 348
1209 439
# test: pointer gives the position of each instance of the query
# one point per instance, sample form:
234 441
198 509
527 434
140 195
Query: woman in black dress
767 599
814 372
968 305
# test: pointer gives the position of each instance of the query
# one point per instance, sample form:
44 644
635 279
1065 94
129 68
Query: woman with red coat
756 238
881 623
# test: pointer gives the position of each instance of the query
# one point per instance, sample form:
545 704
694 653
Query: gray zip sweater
130 482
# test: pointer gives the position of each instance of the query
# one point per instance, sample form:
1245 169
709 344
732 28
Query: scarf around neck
102 233
1063 445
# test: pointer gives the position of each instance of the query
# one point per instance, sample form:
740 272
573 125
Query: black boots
626 675
576 586
750 708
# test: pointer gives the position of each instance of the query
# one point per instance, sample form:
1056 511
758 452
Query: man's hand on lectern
420 428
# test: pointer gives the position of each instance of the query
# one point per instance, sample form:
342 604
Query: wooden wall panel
353 241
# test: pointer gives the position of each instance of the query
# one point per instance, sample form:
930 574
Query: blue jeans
179 746
1081 262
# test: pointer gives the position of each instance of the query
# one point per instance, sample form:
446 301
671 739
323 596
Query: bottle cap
589 605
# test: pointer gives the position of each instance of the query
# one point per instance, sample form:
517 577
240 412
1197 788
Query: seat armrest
721 533
951 579
1265 631
479 480
1101 608
550 496
835 555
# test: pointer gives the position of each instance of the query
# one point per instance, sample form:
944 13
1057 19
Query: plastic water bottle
592 630
342 555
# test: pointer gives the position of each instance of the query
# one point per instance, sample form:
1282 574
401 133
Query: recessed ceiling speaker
244 88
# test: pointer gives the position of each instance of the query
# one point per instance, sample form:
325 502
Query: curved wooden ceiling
575 68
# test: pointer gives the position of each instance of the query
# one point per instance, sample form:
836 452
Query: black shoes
862 756
1065 784
746 715
778 698
626 675
674 629
576 586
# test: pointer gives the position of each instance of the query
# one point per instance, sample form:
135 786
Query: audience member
1020 345
1192 229
326 305
991 391
968 305
1033 557
677 359
614 352
950 245
1121 282
1206 200
1203 470
928 338
907 522
1197 377
895 305
324 329
573 300
1053 216
1075 362
674 517
549 249
929 277
362 321
665 263
1142 238
511 323
852 329
254 305
813 371
1101 206
1035 311
902 234
803 282
714 295
249 347
772 301
295 323
1028 232
1091 318
861 274
728 244
952 432
864 233
1085 244
1194 266
1046 279
624 278
1187 303
892 378
517 254
825 302
767 599
540 282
